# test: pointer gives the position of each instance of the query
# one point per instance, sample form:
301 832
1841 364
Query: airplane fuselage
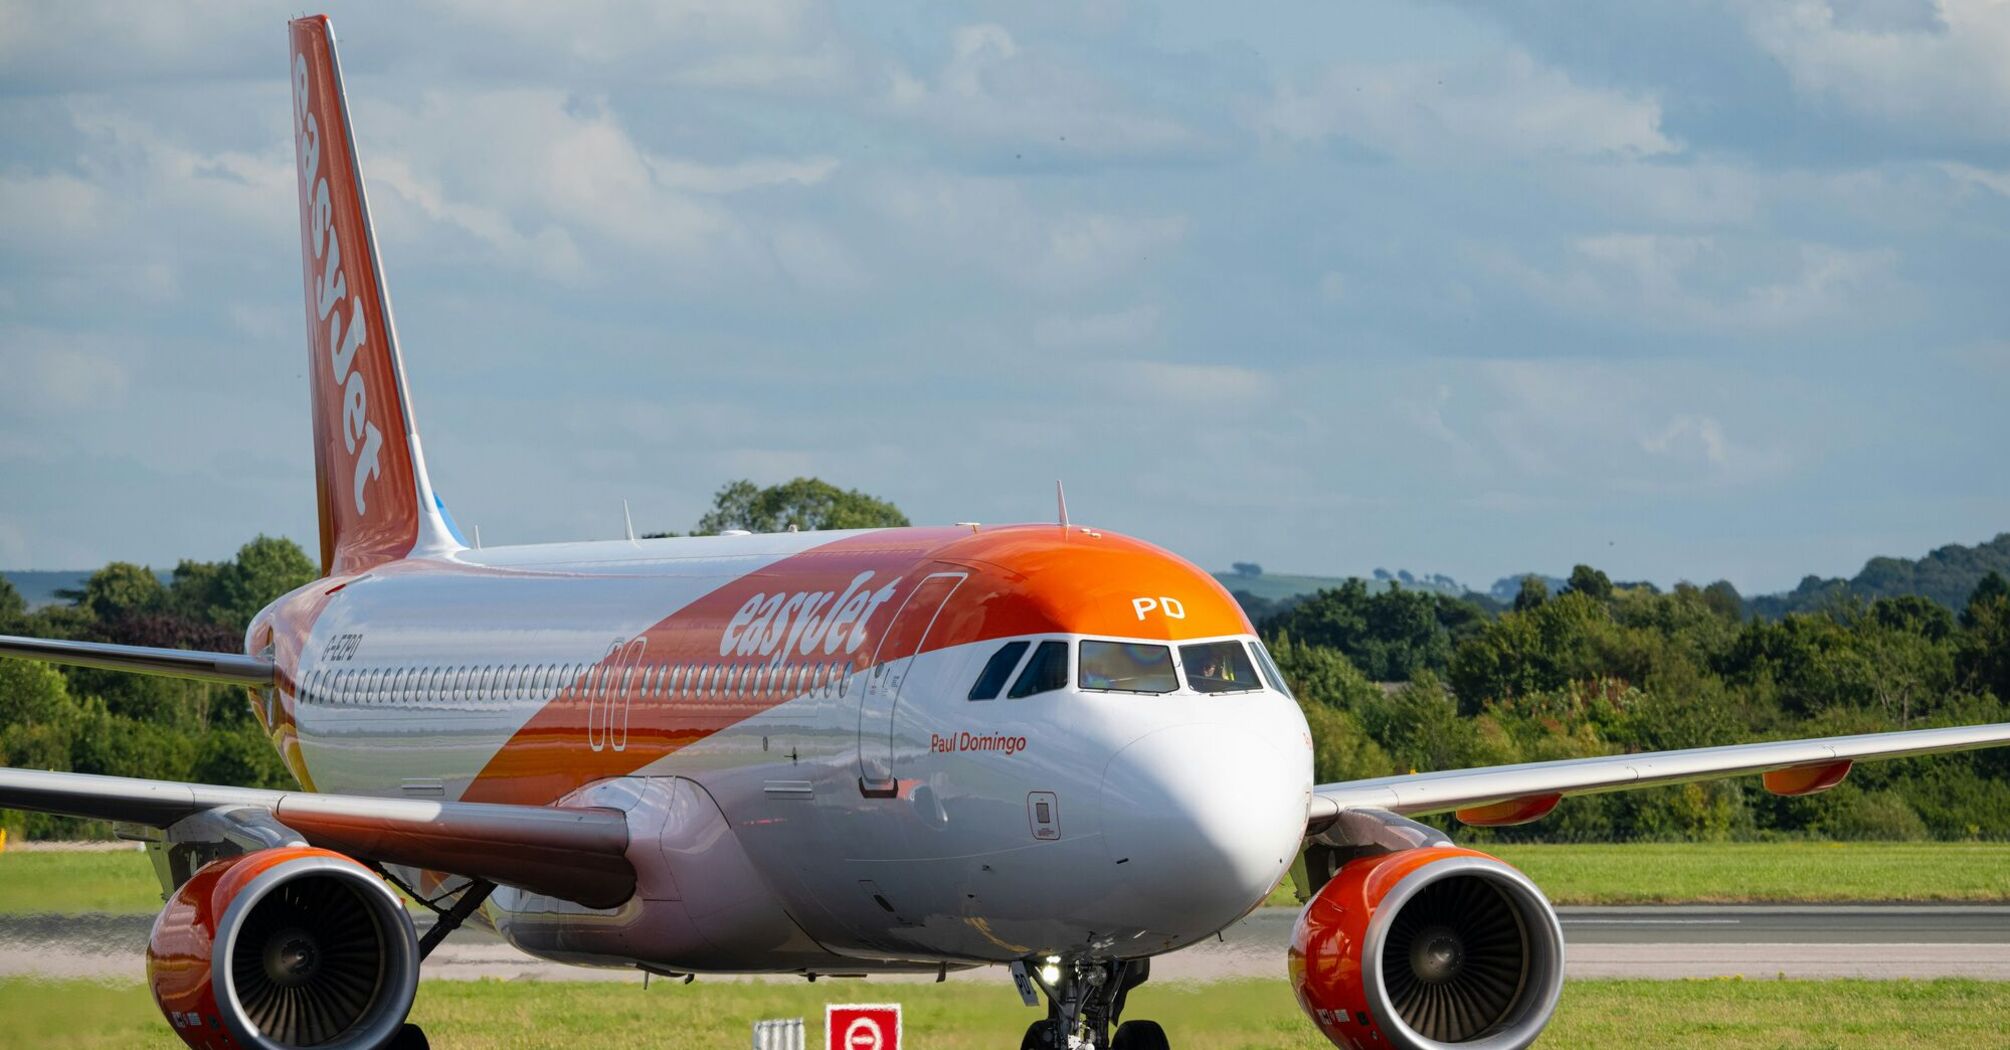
819 773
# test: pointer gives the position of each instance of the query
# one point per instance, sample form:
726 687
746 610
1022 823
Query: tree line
1401 680
1390 680
91 721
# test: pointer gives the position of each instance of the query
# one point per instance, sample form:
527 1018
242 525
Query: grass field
1806 872
1233 1015
1741 872
74 883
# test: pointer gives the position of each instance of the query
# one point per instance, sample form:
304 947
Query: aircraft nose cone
1201 821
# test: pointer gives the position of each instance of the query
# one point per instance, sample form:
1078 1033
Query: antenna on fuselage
1061 501
478 537
628 520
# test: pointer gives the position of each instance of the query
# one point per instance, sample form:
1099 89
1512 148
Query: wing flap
1418 794
574 854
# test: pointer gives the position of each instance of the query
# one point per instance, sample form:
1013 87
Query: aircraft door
879 693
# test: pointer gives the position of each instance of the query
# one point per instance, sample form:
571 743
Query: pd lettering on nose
1170 608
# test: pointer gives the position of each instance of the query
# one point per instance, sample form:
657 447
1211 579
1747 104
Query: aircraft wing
573 854
225 668
1499 795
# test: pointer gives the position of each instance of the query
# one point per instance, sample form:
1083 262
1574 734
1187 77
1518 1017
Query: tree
808 504
1247 568
1321 675
38 718
264 569
1590 582
1982 656
1724 600
241 756
1390 636
12 606
118 590
1991 588
1533 592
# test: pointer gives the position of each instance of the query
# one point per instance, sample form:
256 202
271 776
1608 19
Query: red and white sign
856 1026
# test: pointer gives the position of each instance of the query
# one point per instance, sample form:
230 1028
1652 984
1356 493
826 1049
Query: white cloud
729 44
1188 386
47 377
1951 74
1453 113
990 223
1696 281
1685 434
993 92
1996 182
1125 327
1633 427
558 185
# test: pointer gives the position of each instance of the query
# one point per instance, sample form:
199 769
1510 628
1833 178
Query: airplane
891 751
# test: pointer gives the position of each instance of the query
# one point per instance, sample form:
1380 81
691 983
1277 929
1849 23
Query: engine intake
1427 948
284 948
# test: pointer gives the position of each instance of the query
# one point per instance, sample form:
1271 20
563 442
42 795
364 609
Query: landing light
1050 974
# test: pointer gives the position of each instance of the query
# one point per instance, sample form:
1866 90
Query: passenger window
1127 667
1045 672
1218 667
1270 672
997 670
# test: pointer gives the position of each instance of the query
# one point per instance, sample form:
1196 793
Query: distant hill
1277 587
1947 575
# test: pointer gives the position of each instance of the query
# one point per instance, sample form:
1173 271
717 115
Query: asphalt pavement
1878 941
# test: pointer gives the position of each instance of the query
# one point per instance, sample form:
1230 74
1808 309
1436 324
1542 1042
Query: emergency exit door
891 665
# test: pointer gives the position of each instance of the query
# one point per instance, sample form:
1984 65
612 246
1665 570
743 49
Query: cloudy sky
1686 290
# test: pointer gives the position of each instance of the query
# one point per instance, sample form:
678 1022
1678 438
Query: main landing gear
1085 1001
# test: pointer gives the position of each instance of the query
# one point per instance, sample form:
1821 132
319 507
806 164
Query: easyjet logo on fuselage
783 622
346 335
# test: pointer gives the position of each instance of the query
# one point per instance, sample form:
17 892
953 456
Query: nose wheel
1086 1002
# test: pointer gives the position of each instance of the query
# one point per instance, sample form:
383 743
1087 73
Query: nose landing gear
1086 1001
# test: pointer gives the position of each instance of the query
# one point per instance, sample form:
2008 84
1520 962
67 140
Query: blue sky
1685 290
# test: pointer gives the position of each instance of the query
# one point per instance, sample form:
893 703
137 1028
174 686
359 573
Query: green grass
1805 872
74 883
1232 1015
1743 872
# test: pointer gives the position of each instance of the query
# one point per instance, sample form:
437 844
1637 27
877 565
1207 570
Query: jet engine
282 948
1427 948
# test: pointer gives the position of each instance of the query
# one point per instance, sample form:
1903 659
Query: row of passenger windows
500 685
1129 667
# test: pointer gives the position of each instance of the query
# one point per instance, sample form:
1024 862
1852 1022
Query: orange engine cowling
1425 948
284 948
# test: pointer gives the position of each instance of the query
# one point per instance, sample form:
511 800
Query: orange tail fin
375 500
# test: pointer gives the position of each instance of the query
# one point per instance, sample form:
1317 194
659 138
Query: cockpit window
1130 667
1270 672
996 670
1218 667
1045 672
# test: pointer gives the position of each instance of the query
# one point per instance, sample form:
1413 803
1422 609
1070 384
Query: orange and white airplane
878 751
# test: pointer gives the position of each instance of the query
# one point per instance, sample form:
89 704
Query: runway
1757 941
